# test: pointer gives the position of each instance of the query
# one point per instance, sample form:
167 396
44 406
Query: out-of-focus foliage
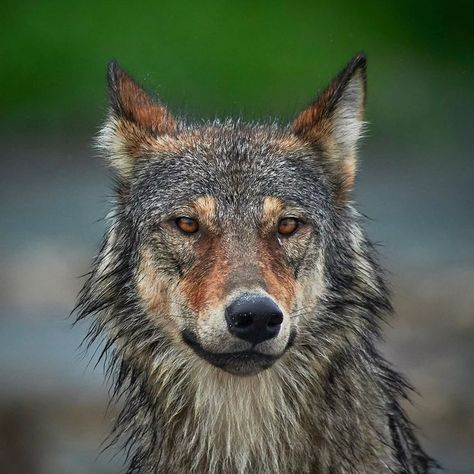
244 58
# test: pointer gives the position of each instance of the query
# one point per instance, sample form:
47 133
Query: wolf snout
254 318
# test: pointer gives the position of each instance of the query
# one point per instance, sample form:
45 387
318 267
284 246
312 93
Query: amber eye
288 226
187 225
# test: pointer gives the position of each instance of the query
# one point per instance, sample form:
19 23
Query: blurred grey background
251 60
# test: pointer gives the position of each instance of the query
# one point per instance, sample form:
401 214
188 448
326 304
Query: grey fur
331 403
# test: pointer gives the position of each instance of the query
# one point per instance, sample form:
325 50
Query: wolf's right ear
135 120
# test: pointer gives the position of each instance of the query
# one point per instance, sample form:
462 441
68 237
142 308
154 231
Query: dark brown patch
278 276
203 286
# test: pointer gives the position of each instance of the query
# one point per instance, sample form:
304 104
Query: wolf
237 297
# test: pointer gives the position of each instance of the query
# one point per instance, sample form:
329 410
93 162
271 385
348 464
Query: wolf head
238 297
224 233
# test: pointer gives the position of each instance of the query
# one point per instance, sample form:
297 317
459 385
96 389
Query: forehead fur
240 138
233 162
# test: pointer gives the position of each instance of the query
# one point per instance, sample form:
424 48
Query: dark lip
237 363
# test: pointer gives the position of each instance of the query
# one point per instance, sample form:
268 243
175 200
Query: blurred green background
253 60
249 58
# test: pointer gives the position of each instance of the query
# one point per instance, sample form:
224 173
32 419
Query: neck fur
188 416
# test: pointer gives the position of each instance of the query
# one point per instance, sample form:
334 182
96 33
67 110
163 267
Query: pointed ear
334 122
135 119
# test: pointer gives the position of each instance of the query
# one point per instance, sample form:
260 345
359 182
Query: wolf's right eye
188 225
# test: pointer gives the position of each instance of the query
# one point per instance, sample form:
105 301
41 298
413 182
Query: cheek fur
152 288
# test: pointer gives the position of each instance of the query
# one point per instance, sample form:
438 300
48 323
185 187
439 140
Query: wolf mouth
237 363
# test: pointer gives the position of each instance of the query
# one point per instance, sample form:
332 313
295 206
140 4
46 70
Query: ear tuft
334 121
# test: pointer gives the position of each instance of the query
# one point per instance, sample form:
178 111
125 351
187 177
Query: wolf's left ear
334 122
135 120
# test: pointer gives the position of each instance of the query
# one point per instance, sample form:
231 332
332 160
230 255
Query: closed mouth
237 363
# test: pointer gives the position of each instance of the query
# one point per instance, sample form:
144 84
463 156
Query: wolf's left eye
288 226
188 225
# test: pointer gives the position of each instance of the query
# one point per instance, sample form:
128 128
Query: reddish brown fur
204 284
278 277
279 280
135 139
315 125
138 106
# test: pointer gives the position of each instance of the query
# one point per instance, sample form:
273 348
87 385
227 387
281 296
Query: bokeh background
252 60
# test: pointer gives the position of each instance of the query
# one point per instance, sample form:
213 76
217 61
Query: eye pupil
288 226
187 225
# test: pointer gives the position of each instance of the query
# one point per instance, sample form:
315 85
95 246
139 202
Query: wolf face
231 221
238 296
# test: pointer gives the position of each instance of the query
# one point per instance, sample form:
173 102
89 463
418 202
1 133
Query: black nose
254 318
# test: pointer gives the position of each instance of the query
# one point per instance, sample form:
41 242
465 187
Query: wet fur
330 404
